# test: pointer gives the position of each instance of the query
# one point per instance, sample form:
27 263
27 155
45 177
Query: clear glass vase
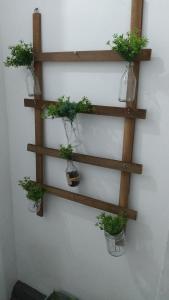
115 243
33 206
72 174
32 82
72 132
128 84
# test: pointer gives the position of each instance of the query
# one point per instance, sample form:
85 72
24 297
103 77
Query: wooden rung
91 160
85 200
77 56
125 112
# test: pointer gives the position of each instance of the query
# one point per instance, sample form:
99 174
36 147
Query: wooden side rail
129 124
39 129
91 160
125 112
80 56
85 200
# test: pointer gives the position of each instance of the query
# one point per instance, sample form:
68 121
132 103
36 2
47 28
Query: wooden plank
37 47
92 202
88 56
125 112
137 15
129 127
91 160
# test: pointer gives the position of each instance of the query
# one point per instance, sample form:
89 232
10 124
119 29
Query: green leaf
66 151
66 108
128 46
20 55
34 190
111 224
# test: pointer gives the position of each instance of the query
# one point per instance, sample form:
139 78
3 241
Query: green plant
66 151
65 108
60 296
111 224
53 296
34 190
129 45
21 55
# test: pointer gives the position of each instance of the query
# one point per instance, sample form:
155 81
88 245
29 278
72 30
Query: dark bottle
72 174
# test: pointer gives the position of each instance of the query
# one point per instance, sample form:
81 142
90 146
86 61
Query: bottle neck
31 68
130 64
70 163
71 166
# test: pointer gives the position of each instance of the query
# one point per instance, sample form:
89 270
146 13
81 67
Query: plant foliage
21 55
65 108
66 152
34 190
111 224
129 45
60 296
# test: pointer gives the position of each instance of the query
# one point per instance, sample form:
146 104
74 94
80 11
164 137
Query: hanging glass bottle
34 206
115 243
32 82
72 132
128 84
72 174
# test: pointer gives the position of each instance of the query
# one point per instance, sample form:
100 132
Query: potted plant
21 55
113 227
60 296
34 193
68 111
129 47
72 174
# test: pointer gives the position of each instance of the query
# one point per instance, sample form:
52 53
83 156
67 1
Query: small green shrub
34 190
111 224
21 55
129 45
60 296
65 108
66 151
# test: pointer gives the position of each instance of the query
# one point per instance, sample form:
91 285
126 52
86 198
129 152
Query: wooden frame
130 113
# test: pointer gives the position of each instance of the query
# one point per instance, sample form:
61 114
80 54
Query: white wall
7 248
64 249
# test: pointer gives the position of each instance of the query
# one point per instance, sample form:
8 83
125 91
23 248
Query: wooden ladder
130 113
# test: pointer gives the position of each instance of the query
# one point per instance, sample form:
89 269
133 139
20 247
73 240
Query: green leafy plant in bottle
34 193
72 174
21 55
129 47
114 231
68 110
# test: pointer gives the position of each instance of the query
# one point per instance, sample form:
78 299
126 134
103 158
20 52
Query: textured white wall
64 249
7 249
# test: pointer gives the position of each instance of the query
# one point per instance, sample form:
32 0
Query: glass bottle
32 82
34 206
115 243
128 84
72 174
72 132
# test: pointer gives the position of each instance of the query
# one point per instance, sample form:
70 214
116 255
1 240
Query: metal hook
36 10
125 166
